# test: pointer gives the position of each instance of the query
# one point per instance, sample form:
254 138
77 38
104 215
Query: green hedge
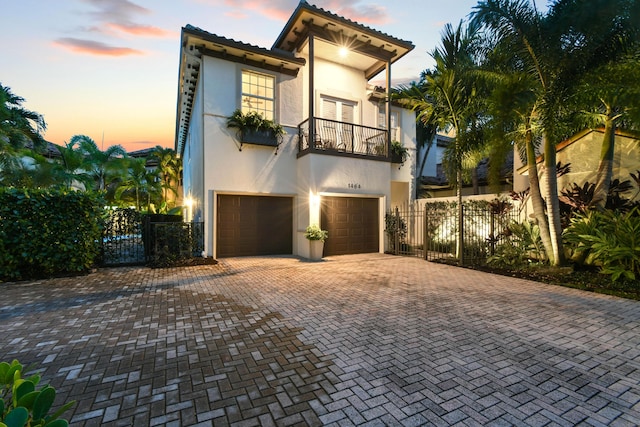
48 232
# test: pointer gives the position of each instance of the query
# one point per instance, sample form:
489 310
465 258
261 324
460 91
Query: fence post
425 233
492 233
396 234
461 233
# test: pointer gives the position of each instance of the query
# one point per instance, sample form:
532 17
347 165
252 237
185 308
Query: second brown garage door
254 225
352 223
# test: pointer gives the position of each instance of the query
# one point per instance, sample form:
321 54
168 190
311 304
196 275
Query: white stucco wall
193 171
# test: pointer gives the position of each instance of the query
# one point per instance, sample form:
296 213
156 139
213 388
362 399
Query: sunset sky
108 68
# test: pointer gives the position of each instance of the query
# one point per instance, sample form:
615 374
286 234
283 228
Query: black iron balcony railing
340 138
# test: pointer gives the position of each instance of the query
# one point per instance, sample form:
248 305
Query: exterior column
388 107
312 122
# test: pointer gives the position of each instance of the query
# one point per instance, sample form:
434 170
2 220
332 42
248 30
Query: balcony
343 139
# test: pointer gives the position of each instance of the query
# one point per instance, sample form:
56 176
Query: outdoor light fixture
343 51
314 199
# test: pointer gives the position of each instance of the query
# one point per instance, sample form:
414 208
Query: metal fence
430 230
173 241
130 238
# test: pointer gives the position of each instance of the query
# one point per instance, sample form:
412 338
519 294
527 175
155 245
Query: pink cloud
120 15
139 30
281 10
363 14
236 14
94 48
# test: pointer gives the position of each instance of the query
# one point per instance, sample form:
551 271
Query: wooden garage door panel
352 224
254 225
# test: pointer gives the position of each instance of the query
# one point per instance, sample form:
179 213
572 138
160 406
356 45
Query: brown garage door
254 225
352 224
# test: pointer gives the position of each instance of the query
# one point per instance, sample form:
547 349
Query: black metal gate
122 238
130 238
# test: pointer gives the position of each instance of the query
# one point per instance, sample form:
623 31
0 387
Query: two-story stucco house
332 167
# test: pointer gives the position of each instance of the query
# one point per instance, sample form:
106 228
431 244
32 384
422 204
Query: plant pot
316 247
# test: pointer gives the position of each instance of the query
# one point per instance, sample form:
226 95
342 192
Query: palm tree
169 168
610 95
514 119
19 126
99 164
139 181
555 51
447 99
71 164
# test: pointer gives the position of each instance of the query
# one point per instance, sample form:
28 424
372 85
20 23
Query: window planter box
396 158
259 137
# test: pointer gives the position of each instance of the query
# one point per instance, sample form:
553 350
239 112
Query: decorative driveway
352 340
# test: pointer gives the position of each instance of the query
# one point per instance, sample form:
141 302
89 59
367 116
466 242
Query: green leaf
35 378
43 402
28 399
24 388
17 418
4 368
10 375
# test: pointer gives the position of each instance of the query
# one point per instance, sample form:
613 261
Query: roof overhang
379 48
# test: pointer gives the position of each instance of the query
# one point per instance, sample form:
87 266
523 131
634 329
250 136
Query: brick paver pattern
353 340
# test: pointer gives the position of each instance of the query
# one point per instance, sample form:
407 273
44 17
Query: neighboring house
582 151
332 167
434 184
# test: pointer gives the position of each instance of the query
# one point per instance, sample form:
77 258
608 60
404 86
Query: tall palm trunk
536 195
553 203
605 168
420 171
460 239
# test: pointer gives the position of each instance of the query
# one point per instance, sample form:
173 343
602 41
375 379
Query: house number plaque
354 185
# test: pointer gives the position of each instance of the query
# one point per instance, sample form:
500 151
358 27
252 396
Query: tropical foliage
19 127
27 161
609 240
22 404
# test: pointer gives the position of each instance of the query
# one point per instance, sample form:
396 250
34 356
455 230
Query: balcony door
336 132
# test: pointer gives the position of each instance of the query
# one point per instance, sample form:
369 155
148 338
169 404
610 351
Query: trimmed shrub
48 232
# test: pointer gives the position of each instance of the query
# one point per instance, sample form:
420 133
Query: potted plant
316 237
399 153
254 129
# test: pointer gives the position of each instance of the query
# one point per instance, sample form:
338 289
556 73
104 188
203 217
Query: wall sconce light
314 200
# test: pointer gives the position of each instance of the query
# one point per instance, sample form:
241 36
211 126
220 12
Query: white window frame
251 92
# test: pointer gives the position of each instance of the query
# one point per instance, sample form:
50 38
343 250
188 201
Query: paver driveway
373 339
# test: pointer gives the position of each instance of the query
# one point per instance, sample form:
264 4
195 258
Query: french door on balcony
337 133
